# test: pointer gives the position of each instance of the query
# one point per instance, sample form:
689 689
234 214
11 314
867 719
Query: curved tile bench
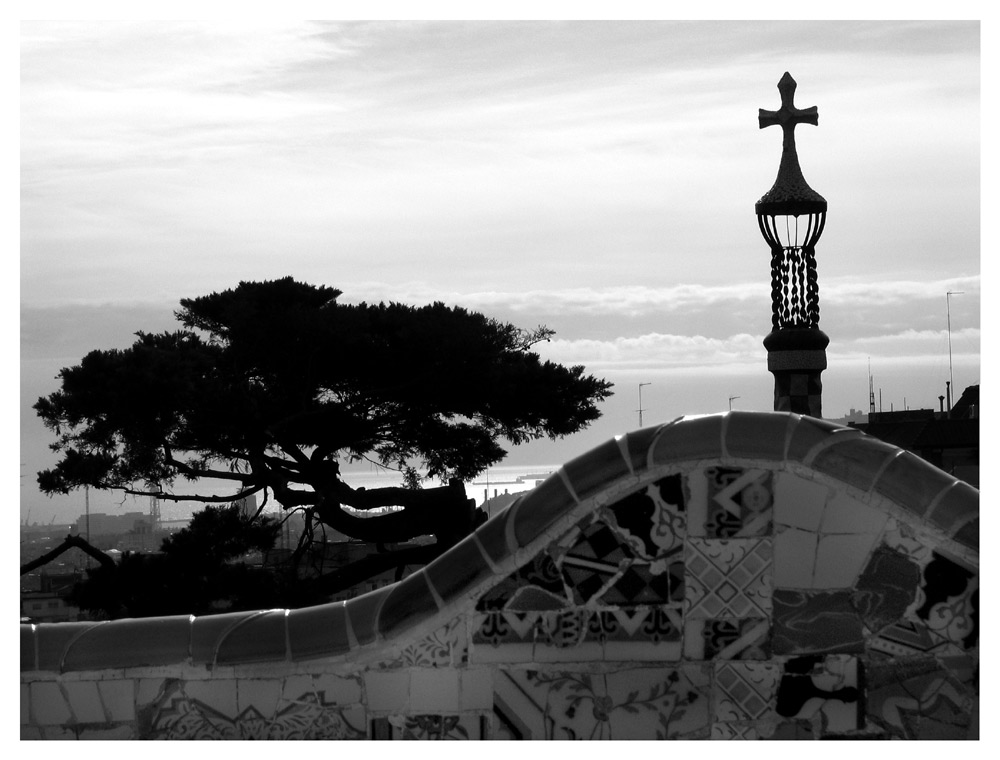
742 575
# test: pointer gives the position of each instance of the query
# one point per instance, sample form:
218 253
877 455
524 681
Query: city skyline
595 177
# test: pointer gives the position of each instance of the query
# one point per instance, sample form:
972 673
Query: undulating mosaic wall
741 576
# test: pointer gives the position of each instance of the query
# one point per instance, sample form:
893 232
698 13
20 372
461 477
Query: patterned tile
886 588
540 574
951 601
739 503
594 561
736 731
502 627
638 584
728 578
815 622
531 704
727 639
308 717
653 624
918 700
429 727
644 703
745 690
445 647
821 688
658 703
652 521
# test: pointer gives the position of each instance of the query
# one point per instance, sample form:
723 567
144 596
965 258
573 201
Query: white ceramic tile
219 695
102 734
48 707
476 689
259 693
387 690
294 687
147 690
840 559
794 558
587 651
642 651
697 506
85 701
480 654
799 502
845 514
337 690
433 690
118 698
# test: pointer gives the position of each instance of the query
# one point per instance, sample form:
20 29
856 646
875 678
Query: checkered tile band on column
800 392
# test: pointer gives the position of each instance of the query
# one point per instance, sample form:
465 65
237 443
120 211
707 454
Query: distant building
49 605
948 440
101 524
853 417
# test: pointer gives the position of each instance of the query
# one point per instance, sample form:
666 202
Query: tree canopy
270 386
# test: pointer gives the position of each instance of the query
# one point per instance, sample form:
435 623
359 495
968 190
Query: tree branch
70 543
202 499
376 564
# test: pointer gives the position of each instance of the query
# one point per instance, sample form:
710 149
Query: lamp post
791 217
640 402
731 400
951 371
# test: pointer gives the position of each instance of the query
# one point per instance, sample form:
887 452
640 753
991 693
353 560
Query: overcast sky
595 177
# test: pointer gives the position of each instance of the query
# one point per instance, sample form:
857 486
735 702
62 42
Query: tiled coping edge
365 626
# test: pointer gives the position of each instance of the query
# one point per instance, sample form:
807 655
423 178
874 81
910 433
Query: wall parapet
791 494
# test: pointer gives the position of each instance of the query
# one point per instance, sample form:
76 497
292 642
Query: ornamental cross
788 115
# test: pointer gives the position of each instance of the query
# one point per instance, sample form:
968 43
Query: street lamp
951 372
640 402
731 400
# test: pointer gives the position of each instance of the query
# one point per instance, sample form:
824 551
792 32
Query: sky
596 177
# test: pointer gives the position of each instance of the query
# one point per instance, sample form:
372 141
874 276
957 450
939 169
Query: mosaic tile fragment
540 573
918 700
652 520
886 588
951 601
824 688
594 561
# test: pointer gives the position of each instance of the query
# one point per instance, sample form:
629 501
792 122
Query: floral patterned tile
445 647
658 703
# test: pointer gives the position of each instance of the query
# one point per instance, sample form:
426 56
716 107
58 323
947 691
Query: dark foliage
270 385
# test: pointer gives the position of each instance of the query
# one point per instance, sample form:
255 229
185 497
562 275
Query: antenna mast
871 389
